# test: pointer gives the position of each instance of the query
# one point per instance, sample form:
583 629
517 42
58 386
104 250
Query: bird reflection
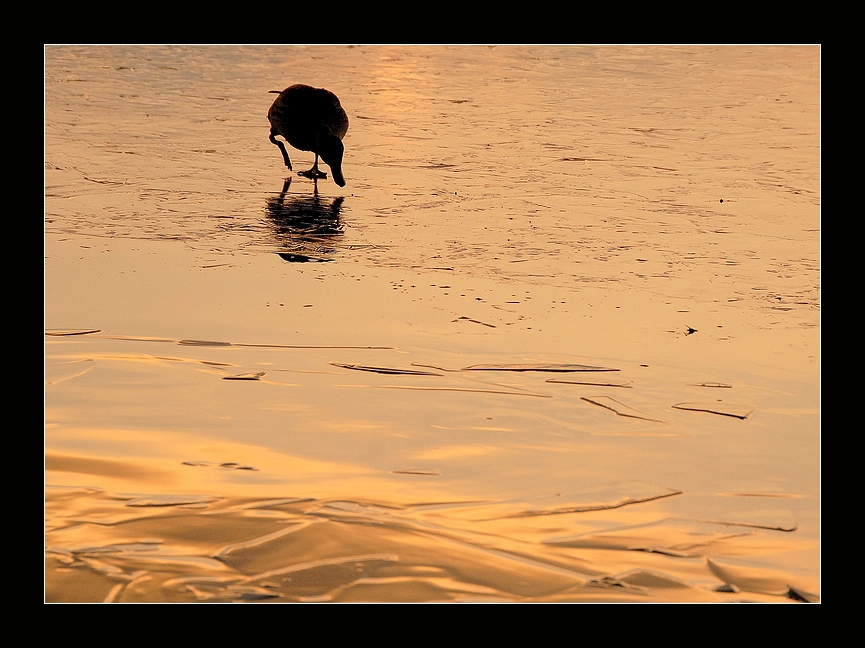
306 228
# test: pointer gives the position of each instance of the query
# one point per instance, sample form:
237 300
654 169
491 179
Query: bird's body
310 119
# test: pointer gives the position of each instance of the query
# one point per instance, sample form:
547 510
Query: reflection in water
305 226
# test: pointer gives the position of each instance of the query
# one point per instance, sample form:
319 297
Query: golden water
556 340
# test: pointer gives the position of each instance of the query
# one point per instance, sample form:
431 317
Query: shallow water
556 340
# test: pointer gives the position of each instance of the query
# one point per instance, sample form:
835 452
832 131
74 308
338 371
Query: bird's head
330 149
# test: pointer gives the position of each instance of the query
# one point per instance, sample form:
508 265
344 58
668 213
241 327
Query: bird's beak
332 152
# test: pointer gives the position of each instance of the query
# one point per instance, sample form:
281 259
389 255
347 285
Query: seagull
310 119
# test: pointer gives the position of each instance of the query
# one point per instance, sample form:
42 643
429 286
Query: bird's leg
314 171
281 148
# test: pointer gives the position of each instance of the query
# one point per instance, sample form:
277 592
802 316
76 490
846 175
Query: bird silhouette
310 119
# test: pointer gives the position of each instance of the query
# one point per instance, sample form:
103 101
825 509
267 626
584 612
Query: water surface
556 340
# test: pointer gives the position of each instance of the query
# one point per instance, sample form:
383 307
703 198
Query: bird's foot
312 173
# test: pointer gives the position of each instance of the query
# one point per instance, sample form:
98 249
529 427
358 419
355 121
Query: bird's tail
275 91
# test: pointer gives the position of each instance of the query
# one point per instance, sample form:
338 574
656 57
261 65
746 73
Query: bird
310 119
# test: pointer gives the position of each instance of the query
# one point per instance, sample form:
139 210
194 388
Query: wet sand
557 340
